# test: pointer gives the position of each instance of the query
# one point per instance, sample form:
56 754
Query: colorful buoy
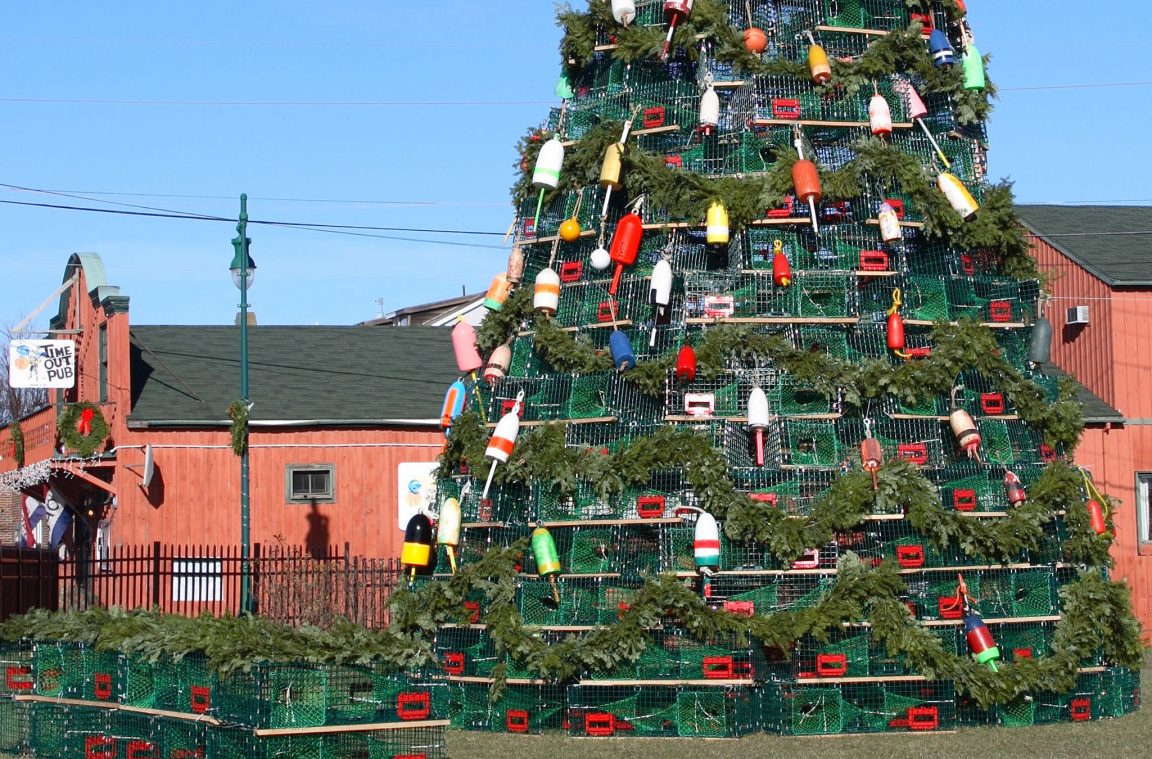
448 529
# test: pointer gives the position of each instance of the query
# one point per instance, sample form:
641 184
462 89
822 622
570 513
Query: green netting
588 397
817 711
527 709
855 650
1021 713
593 551
59 669
926 299
580 603
765 599
701 714
1018 642
138 682
792 398
185 685
181 738
821 295
15 725
996 442
813 444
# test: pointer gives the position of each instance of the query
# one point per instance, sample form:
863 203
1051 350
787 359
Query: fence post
254 574
156 574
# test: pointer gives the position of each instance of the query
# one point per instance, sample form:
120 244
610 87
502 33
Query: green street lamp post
243 273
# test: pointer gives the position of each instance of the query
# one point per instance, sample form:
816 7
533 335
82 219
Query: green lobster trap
15 725
812 444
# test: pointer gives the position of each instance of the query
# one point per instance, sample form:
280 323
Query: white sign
417 490
197 580
42 363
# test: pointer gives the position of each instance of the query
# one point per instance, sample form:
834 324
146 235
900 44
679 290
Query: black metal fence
289 584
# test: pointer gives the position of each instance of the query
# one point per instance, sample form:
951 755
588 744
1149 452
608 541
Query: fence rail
289 584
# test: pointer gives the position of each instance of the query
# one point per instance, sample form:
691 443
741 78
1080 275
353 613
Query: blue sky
363 76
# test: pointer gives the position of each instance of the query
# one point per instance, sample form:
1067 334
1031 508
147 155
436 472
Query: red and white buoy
498 365
759 417
879 114
871 454
917 111
503 440
675 11
964 428
1014 488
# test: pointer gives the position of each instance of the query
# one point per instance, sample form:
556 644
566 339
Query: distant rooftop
1098 238
424 313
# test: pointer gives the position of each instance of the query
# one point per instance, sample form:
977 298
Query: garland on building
16 435
238 413
82 429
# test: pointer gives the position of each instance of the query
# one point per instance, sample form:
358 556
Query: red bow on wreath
84 426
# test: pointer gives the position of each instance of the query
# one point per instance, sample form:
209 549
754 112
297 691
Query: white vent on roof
1077 315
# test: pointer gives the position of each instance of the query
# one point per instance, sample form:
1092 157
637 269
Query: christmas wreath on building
82 428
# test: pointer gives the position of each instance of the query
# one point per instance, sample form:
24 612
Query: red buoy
781 268
871 454
1096 517
1014 488
625 245
686 364
896 324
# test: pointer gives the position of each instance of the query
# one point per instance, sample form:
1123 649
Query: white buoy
661 293
503 440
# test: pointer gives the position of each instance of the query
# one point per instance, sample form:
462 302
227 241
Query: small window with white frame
1144 506
310 483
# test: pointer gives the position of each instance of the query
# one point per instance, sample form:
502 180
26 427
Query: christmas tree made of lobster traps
756 435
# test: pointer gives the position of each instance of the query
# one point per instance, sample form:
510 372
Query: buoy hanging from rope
675 11
709 110
416 552
515 268
621 349
957 194
1097 506
806 180
980 642
1014 488
613 164
717 230
686 364
895 326
781 268
1040 347
661 294
871 454
497 292
818 65
624 11
941 49
547 560
546 293
626 243
964 428
503 440
972 62
759 418
546 175
879 114
755 39
498 365
890 229
448 529
468 359
454 401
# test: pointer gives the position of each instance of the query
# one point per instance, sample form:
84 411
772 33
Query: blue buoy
622 355
941 49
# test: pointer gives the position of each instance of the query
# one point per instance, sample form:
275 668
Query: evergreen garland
16 435
1097 615
238 413
67 428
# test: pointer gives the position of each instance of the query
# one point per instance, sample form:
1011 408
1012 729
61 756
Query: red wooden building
1099 260
344 425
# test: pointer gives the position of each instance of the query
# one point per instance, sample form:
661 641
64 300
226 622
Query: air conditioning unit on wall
1077 315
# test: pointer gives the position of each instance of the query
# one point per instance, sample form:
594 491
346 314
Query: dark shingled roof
1079 233
188 375
1096 410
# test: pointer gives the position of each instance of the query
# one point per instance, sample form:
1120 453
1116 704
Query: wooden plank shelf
905 224
113 706
608 522
829 571
273 732
729 84
1001 418
686 418
666 129
618 324
823 123
989 325
848 320
542 422
852 30
483 525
